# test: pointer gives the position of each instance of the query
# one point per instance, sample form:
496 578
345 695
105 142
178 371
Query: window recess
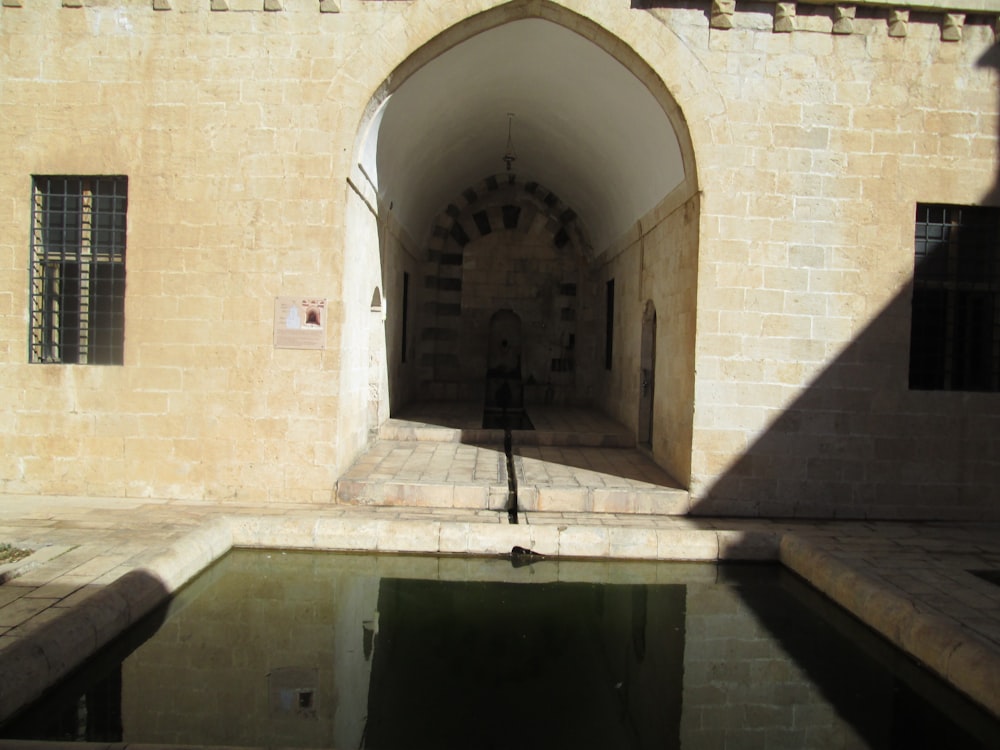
78 270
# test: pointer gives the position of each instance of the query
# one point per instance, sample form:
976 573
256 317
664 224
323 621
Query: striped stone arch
500 202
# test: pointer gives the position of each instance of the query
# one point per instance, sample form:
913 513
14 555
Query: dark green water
341 651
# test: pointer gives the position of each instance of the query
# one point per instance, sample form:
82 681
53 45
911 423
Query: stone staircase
575 460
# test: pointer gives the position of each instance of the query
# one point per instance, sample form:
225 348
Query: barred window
955 327
78 269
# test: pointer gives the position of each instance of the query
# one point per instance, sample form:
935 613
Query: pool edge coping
46 654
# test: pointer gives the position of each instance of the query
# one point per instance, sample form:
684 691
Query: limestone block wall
826 144
618 384
813 133
227 131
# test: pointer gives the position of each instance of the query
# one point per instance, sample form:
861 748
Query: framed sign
300 323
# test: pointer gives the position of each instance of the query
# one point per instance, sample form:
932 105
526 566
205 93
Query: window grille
955 327
78 270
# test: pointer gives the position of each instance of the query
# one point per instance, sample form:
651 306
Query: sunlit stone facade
750 183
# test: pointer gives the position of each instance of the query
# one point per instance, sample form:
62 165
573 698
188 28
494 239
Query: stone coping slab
73 624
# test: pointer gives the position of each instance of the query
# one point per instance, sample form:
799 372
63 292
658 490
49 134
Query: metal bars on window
78 269
955 328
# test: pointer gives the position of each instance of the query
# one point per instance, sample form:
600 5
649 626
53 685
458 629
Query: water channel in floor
323 650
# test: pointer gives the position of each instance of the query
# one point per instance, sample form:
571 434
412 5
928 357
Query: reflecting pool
384 652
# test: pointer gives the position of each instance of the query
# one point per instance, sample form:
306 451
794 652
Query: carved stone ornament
784 18
899 22
843 19
951 27
722 14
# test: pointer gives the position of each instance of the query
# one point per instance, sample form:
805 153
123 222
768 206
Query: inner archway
511 246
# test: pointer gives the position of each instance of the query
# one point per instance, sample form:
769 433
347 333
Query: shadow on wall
991 59
858 443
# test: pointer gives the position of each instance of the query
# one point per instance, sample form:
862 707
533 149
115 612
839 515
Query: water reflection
341 651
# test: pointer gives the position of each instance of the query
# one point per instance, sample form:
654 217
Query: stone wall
828 141
811 131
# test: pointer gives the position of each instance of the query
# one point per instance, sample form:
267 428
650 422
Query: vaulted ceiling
584 127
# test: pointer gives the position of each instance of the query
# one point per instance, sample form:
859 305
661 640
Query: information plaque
299 323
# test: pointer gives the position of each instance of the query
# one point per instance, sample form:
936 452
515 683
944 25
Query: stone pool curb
486 536
71 634
965 661
77 615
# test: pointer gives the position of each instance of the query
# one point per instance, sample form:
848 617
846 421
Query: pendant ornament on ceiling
510 155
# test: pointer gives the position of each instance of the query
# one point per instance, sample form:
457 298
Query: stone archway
597 128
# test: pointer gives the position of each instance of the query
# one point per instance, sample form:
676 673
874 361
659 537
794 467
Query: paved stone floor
439 455
101 563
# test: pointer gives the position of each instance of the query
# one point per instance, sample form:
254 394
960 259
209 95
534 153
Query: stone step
398 429
442 474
